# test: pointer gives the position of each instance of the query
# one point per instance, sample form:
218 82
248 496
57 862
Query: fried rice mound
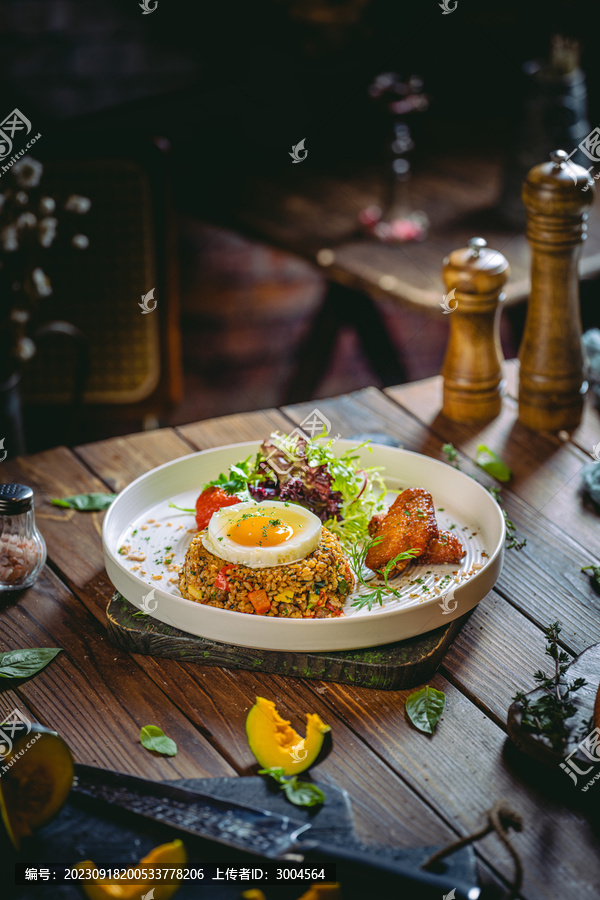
312 588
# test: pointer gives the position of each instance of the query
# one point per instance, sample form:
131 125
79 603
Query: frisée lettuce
289 468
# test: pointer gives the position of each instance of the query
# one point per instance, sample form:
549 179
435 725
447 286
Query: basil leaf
154 738
425 707
303 793
300 793
85 502
25 663
275 772
491 463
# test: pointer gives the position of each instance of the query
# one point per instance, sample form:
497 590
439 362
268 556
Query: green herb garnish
85 502
451 454
300 793
235 482
378 592
424 708
182 509
25 663
548 714
154 738
511 528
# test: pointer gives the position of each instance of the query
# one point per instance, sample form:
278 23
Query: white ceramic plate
140 522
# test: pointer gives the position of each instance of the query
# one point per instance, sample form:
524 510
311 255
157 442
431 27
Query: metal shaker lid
15 498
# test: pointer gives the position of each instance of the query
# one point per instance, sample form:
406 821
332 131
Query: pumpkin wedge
38 777
274 742
170 856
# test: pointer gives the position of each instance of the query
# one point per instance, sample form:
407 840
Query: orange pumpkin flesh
275 743
171 856
37 783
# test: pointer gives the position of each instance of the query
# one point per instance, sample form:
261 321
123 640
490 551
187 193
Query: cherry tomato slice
210 500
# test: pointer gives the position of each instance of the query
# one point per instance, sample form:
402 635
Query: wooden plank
220 701
546 469
104 697
544 579
462 770
152 448
234 429
74 539
216 701
496 654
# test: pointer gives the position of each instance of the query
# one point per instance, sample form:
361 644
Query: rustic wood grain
546 469
94 695
551 374
405 787
544 579
211 701
392 666
234 429
119 468
461 769
472 367
475 678
219 701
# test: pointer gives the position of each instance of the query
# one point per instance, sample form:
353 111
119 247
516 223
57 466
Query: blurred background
215 268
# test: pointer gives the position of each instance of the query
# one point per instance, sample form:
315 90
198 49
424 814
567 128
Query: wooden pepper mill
472 369
551 379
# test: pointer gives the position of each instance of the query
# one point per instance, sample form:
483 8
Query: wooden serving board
389 667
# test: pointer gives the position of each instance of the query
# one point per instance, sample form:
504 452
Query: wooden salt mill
551 380
472 369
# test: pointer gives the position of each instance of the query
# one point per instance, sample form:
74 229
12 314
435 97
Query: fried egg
264 534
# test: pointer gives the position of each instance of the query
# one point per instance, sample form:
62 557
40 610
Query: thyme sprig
378 592
511 528
548 714
451 454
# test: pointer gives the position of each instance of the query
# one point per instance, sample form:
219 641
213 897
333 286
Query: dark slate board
389 667
114 838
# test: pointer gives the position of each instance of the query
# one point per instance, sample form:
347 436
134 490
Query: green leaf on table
85 502
595 576
300 793
491 463
425 707
25 663
303 793
153 738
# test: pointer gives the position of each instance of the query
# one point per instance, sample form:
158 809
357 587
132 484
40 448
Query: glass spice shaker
22 547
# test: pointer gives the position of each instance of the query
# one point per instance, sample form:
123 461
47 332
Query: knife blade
256 831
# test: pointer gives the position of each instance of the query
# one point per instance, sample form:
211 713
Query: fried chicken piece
410 523
375 523
444 549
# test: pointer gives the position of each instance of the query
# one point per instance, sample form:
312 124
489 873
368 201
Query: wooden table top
406 788
315 214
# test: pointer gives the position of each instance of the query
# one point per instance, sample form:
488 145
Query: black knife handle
361 872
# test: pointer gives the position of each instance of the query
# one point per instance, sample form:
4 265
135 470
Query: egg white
306 538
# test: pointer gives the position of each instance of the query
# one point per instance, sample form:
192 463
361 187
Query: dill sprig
378 592
548 714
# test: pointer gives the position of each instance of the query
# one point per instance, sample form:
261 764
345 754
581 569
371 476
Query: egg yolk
260 531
